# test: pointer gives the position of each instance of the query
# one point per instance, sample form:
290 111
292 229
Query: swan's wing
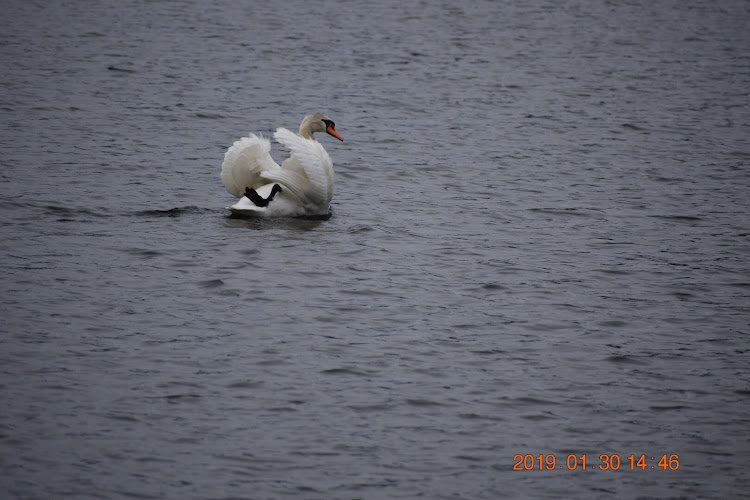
313 159
292 176
244 162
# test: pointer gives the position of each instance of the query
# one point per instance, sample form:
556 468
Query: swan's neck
305 132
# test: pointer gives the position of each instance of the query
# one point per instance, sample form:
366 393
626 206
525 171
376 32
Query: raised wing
310 157
244 163
293 177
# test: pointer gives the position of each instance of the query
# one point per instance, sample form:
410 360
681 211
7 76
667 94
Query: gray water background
539 244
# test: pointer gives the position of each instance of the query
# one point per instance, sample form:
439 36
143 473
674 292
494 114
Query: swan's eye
329 123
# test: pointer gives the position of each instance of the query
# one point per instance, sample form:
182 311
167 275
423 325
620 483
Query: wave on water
43 210
174 212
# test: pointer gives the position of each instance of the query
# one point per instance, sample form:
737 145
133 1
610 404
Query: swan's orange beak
332 131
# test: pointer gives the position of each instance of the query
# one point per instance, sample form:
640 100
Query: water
539 245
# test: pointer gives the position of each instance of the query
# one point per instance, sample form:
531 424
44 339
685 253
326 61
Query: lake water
540 245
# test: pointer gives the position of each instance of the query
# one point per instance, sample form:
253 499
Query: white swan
301 185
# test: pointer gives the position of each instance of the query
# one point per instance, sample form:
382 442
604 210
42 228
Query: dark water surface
540 245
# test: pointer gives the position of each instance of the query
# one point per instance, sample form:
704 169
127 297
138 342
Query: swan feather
244 162
316 163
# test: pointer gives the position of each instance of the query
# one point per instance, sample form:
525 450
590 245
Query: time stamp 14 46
590 462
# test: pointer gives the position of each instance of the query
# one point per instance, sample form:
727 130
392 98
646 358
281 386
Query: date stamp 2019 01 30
572 462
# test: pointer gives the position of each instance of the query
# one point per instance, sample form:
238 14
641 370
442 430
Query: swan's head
318 123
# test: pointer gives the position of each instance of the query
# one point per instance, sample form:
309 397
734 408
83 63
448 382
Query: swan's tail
244 162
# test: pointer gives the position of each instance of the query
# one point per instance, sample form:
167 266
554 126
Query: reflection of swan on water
301 185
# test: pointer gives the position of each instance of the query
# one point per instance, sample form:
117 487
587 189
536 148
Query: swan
301 185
